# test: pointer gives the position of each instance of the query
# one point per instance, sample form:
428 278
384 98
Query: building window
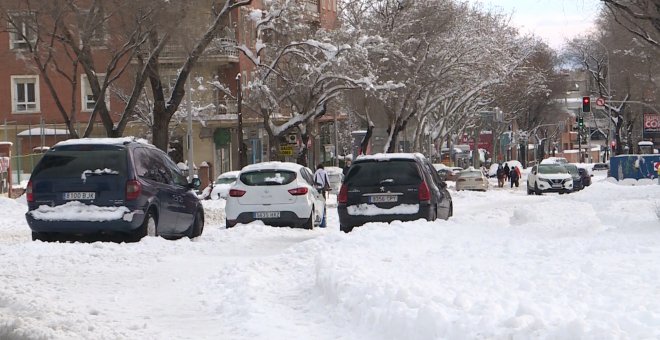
87 96
21 30
25 94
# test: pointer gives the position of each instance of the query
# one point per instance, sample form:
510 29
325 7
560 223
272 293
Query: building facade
31 106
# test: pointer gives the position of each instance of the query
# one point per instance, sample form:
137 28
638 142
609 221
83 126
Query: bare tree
639 17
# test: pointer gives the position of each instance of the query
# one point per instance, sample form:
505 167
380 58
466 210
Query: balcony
222 50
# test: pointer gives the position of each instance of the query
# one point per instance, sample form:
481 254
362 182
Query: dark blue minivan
120 186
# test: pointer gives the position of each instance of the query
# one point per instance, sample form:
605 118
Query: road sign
286 150
600 101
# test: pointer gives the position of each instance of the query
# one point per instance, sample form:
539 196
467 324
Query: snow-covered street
506 266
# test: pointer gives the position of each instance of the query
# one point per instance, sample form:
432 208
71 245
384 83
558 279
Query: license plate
383 199
79 195
267 214
556 186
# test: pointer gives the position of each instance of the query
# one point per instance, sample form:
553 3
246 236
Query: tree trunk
365 141
302 156
160 132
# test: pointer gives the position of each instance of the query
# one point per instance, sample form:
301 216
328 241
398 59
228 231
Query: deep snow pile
508 265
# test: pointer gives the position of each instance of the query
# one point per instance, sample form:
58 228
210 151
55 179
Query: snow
388 156
275 165
109 141
78 211
506 266
372 210
97 172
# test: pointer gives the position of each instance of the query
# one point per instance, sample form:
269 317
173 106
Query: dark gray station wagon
119 186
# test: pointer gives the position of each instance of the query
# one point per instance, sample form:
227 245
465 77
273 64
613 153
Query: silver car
471 179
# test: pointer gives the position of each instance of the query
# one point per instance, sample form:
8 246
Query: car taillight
342 197
133 189
298 191
236 193
28 192
424 193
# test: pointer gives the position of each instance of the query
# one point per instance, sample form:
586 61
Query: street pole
336 140
242 160
191 167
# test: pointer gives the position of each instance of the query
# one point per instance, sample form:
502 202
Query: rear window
470 174
268 177
379 173
73 163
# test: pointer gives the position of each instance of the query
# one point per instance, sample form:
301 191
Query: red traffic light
586 104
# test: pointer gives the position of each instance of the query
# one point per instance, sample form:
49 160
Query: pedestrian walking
506 172
500 175
321 180
514 176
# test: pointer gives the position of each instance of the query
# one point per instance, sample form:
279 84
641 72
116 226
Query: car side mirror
443 185
195 183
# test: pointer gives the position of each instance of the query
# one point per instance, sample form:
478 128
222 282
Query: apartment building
31 107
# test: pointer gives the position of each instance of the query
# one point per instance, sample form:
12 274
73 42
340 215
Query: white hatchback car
549 178
277 193
222 184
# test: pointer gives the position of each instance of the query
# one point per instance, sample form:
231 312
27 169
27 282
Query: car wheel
43 237
345 229
309 224
536 189
197 226
148 228
229 224
529 191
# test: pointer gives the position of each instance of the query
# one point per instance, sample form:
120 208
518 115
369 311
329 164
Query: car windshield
377 173
73 163
552 169
572 169
268 177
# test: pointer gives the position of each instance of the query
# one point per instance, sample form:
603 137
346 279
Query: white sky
554 21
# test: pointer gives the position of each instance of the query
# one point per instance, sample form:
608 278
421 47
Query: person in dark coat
500 175
506 172
514 176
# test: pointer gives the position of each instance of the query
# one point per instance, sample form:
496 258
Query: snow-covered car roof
388 156
439 166
275 165
229 174
554 160
108 141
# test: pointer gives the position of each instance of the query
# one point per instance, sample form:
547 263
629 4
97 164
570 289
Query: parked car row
128 187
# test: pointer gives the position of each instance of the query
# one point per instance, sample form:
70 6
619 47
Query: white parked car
277 193
471 179
549 178
222 184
